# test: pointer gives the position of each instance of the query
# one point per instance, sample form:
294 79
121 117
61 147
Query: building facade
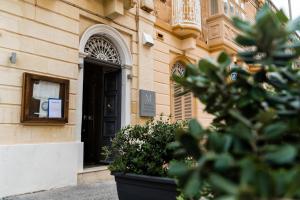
108 51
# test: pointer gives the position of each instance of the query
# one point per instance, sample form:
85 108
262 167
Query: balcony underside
186 30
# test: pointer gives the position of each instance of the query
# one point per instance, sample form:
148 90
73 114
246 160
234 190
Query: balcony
186 18
221 32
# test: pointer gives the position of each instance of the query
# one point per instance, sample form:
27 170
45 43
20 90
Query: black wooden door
111 107
101 113
91 118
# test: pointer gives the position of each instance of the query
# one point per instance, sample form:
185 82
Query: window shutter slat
177 104
188 113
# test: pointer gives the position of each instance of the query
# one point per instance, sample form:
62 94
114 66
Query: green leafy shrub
142 149
253 151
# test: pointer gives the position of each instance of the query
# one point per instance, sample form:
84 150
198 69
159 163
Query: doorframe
126 65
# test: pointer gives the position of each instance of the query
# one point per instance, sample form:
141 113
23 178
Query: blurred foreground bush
253 151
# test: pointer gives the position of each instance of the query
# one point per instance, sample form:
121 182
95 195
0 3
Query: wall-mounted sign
147 103
45 99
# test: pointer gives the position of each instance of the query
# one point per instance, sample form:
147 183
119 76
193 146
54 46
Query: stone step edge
94 170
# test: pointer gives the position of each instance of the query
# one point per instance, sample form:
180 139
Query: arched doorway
105 90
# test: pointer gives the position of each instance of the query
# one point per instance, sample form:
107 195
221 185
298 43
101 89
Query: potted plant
141 159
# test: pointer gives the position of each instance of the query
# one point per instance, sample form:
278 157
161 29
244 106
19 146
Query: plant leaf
283 155
195 129
223 184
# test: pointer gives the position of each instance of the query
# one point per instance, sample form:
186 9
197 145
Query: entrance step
94 175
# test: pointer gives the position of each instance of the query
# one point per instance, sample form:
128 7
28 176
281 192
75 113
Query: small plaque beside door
147 103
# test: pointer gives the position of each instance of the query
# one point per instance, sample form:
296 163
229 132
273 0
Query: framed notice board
44 99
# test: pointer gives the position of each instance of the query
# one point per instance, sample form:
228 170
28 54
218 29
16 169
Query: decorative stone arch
178 63
113 35
126 64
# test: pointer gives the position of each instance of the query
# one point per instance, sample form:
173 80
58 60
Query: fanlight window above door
178 69
101 48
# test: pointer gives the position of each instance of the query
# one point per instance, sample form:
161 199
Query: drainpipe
290 9
137 21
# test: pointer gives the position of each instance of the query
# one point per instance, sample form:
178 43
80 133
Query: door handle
88 117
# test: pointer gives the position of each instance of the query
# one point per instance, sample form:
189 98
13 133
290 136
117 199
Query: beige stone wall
166 52
45 34
171 47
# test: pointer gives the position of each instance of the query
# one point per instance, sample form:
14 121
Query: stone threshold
94 174
94 169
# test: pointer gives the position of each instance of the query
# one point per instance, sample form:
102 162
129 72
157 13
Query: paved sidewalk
105 190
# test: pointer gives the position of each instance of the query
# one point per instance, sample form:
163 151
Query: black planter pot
140 187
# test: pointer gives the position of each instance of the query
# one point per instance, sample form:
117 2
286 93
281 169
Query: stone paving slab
105 190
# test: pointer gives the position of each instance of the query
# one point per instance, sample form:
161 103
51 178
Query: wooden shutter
182 106
177 102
